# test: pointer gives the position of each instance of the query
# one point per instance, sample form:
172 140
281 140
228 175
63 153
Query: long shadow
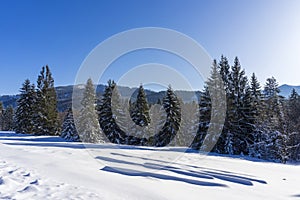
61 145
13 134
243 180
167 163
296 195
130 172
41 139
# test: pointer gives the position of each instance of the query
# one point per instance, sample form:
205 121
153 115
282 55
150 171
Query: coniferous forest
258 121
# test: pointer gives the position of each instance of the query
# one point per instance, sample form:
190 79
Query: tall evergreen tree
107 119
238 83
69 131
87 125
1 115
8 119
224 70
204 118
292 112
139 110
24 116
46 116
216 104
173 119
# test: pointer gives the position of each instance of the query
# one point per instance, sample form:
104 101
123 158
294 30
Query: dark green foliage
204 118
8 119
24 116
69 131
1 116
107 119
173 118
46 116
139 110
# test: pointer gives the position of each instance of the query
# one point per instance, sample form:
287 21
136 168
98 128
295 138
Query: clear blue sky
265 35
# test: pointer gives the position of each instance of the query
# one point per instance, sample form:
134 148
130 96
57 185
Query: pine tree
1 115
215 138
25 108
238 83
204 118
139 110
87 125
69 131
256 97
46 116
107 119
8 119
275 124
173 111
224 70
292 112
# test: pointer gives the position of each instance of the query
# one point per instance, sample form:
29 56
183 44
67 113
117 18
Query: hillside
285 90
64 95
46 167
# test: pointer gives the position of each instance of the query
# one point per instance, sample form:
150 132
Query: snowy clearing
47 167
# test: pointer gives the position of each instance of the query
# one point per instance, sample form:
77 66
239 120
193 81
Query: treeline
258 121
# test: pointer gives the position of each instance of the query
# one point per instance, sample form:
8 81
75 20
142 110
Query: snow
47 167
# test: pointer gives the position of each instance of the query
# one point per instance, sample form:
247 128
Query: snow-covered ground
49 168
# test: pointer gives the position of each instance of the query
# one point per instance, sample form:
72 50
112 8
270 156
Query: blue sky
265 35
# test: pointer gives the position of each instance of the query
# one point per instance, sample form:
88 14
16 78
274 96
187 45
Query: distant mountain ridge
65 93
285 90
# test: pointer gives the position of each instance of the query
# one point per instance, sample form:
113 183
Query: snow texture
48 167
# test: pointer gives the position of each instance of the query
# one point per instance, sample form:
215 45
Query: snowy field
49 168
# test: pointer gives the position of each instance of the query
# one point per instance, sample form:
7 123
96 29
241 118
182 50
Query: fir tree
224 70
87 125
204 118
1 115
46 116
25 108
215 138
173 118
69 131
238 83
107 119
8 119
256 98
139 110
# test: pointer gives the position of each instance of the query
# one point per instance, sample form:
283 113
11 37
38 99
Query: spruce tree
238 83
46 116
204 118
24 116
8 119
139 110
293 124
1 115
224 70
216 104
87 125
173 119
69 131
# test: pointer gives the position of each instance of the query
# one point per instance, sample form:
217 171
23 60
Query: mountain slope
285 90
64 95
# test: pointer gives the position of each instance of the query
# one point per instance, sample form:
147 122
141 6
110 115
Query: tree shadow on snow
199 174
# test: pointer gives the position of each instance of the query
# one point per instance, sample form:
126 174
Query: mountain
285 90
65 93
